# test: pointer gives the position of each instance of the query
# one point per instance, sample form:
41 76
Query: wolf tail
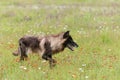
16 53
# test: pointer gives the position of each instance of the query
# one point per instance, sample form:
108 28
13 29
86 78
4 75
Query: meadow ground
94 24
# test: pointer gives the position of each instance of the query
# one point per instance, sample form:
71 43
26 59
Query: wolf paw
53 63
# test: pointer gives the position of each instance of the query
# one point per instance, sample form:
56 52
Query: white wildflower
109 50
86 77
39 68
43 61
80 69
24 68
83 65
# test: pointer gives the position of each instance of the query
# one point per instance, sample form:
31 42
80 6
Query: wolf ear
66 34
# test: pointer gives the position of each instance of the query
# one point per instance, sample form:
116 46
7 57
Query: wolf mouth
72 47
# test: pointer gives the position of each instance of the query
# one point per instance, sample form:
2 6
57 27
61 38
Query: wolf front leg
52 62
47 54
48 57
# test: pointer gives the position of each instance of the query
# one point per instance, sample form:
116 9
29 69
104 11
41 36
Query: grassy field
94 24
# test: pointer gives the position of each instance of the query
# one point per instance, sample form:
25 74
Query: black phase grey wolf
45 46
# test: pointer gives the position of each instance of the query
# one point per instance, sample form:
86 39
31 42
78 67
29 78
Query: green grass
94 24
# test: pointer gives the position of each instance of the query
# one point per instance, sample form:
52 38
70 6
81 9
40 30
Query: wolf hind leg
23 51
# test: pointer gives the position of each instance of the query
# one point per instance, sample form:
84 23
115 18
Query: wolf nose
76 45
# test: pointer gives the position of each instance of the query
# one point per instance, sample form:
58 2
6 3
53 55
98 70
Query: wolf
45 46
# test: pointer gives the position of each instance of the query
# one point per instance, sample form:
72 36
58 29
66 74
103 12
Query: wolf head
69 42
